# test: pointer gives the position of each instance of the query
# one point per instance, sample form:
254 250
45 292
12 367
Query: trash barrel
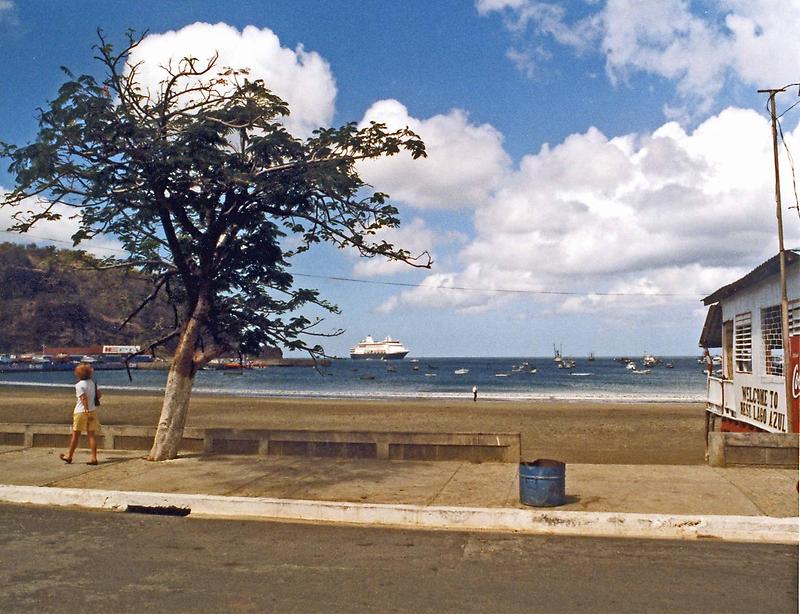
541 483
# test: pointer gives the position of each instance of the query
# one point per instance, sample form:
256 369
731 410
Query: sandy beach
574 432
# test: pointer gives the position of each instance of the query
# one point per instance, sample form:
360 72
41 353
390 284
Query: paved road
65 560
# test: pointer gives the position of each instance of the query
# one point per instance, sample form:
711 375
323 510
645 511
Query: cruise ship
369 349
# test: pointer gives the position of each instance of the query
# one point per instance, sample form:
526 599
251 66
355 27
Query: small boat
532 370
501 374
581 374
648 360
391 370
415 368
669 365
461 371
641 372
430 375
367 377
631 366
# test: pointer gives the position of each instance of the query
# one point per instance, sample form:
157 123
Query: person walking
474 394
84 416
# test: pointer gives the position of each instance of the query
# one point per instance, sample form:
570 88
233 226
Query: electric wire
791 162
400 284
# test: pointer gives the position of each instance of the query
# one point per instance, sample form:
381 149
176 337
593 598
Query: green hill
53 297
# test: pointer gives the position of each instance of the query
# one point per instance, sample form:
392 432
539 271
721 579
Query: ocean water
602 379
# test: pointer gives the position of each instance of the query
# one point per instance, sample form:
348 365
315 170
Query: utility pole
782 257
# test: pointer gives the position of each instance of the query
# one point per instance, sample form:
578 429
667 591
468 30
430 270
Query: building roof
760 273
711 337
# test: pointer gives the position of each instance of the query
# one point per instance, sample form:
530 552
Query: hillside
51 296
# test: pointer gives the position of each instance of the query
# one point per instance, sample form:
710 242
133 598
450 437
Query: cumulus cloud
751 40
465 161
415 237
57 233
672 212
8 12
470 291
302 78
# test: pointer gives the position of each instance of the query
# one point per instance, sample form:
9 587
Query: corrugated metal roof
761 272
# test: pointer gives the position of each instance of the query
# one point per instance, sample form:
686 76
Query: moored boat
369 349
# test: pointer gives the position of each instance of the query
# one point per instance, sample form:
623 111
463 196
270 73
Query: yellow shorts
86 421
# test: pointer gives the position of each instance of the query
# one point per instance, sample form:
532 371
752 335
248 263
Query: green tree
202 184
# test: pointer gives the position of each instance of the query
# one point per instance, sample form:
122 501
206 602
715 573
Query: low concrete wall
753 449
473 447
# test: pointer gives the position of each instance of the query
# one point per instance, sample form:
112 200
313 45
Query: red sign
794 370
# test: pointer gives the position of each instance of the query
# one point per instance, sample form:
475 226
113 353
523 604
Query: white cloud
467 292
754 41
8 12
765 46
57 233
465 161
668 212
413 236
302 78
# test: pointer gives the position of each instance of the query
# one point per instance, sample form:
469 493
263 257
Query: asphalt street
68 560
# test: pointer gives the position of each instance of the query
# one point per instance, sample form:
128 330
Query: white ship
369 349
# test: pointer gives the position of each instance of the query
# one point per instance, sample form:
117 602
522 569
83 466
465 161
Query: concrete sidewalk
605 491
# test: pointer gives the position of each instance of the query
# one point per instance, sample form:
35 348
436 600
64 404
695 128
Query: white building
744 319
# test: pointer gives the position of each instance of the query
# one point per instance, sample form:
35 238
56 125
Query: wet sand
574 432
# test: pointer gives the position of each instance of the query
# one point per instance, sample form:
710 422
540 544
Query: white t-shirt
87 387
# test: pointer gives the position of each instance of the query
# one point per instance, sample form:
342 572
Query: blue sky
606 161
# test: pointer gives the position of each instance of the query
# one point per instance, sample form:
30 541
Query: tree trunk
178 390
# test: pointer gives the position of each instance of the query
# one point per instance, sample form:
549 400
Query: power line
70 243
497 290
400 284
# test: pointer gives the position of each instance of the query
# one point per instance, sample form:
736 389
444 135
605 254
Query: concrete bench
385 445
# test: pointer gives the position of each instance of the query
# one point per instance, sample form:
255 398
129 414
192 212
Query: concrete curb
760 529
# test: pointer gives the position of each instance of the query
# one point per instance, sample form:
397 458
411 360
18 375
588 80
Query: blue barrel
541 483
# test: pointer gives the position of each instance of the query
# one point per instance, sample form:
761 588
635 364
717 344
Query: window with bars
772 340
794 318
743 342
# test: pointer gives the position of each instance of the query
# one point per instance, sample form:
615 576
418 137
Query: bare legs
73 444
92 447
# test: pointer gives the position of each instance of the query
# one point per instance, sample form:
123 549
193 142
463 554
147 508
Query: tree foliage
203 185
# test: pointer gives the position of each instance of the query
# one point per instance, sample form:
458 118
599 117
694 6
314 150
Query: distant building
744 319
89 350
